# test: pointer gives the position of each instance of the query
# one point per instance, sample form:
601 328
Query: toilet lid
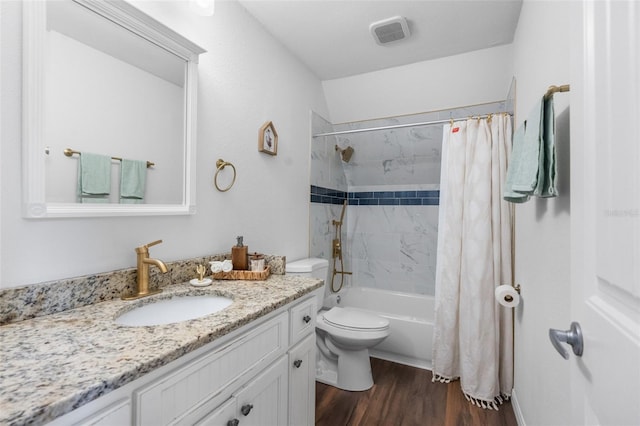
354 319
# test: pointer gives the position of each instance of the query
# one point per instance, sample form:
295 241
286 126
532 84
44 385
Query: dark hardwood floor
404 396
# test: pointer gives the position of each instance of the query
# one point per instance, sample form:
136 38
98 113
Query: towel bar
556 89
69 152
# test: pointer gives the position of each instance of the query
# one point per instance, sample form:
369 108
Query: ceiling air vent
390 30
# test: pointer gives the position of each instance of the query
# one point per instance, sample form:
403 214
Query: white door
605 212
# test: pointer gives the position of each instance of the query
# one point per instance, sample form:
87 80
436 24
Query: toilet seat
351 319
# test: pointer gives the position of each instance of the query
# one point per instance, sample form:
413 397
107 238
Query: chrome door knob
573 337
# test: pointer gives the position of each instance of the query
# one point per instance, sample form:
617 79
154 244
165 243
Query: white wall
451 82
246 78
541 58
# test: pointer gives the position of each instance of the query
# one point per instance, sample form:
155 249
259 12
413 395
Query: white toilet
343 335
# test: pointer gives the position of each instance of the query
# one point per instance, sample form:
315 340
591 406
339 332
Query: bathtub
410 321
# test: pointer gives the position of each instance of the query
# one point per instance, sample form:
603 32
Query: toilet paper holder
508 298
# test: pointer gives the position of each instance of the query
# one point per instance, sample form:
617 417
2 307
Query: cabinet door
263 401
302 382
225 415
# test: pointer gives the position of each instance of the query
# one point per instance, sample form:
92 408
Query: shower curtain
473 337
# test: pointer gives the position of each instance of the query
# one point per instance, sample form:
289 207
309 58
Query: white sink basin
168 311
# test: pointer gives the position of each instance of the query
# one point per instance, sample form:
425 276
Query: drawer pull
234 422
246 409
306 319
297 363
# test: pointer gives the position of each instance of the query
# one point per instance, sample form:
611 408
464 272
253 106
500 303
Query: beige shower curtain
473 338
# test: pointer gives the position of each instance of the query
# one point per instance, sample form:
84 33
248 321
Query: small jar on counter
256 262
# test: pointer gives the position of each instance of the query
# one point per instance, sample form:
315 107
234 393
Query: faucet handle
145 248
153 243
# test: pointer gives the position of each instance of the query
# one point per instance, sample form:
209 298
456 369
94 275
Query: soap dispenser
239 255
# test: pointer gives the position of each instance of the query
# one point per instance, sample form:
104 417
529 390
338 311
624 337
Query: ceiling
332 37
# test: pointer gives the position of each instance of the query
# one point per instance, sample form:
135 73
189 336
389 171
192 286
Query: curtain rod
398 126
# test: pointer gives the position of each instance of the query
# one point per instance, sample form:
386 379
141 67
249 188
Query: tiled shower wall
326 173
392 186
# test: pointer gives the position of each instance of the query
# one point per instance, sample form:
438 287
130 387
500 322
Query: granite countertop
52 364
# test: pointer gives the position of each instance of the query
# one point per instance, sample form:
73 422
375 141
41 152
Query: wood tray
243 275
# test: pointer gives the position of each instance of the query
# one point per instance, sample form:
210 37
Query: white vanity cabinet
285 392
302 364
261 374
189 393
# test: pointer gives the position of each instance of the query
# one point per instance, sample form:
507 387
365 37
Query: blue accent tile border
323 195
375 198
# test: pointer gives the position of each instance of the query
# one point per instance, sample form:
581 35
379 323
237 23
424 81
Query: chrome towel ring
220 165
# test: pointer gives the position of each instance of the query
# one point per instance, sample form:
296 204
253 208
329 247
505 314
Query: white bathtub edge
410 322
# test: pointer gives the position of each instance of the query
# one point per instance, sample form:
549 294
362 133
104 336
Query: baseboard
516 408
400 359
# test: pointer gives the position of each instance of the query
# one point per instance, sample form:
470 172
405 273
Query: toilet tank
313 268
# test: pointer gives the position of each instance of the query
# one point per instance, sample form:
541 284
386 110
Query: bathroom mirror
105 78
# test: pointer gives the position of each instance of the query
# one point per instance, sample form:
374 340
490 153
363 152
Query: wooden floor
404 396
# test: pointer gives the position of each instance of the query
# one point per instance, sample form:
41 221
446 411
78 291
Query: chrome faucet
143 272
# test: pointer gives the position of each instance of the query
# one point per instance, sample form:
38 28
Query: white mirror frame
33 139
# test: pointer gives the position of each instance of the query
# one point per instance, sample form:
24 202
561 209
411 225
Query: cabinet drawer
222 416
303 319
210 379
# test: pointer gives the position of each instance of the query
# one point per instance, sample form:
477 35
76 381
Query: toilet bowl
343 336
348 334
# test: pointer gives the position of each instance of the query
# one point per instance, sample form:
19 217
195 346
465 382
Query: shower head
345 153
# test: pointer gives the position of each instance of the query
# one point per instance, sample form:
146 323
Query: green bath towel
514 169
547 186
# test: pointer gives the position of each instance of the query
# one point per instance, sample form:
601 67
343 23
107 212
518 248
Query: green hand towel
547 185
133 174
94 178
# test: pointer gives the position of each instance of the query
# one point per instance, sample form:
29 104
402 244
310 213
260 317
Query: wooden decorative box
243 275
